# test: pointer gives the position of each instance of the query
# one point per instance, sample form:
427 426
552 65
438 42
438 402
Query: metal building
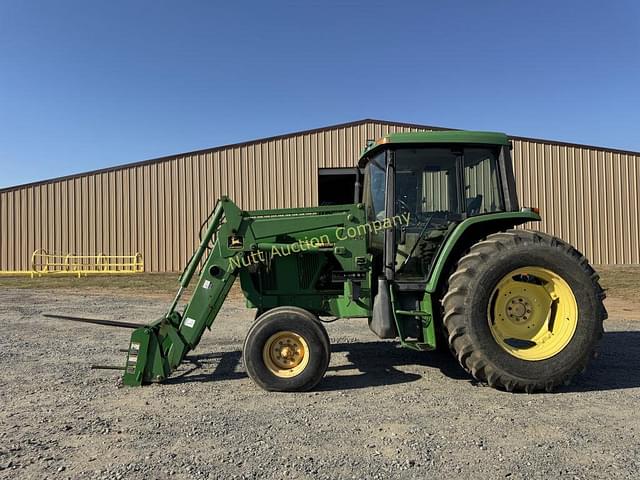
588 195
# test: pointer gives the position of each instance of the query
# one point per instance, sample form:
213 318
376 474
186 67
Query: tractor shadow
379 363
617 366
198 368
370 364
374 364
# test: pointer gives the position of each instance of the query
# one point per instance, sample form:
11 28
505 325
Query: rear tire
497 292
286 349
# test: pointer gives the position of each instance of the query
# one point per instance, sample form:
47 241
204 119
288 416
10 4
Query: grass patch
620 281
154 284
144 283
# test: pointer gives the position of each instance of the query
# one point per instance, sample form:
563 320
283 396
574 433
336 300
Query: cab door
429 193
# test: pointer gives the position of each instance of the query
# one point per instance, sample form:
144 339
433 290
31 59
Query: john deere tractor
428 253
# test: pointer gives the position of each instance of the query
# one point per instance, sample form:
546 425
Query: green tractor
428 253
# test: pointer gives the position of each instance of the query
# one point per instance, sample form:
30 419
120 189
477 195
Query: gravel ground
380 412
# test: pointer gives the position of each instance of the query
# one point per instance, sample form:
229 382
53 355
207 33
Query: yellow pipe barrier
45 263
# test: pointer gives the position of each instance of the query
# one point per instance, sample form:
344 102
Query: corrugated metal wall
589 197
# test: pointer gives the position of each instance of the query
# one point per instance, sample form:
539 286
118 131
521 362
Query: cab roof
445 137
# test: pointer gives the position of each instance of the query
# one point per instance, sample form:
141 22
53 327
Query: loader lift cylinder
187 274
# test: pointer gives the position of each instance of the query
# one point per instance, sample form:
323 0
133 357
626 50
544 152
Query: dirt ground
380 412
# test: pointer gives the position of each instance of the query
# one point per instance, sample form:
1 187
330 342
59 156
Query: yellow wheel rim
285 354
533 313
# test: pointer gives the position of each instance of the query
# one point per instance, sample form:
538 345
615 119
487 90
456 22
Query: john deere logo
235 241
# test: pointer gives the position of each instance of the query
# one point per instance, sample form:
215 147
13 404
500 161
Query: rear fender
468 232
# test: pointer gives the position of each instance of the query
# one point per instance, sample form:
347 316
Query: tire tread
456 309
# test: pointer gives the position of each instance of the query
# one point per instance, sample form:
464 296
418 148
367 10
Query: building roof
295 134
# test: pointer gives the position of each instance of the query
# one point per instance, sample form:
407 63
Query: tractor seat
474 204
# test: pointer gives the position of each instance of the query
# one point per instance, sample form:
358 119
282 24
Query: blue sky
85 85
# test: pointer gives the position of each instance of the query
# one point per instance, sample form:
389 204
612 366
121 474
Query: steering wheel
403 207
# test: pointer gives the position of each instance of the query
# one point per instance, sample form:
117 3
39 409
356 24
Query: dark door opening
336 186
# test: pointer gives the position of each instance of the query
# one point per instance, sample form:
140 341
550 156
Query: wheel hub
285 354
519 309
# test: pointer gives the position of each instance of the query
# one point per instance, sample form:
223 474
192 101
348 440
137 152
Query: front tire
523 311
286 349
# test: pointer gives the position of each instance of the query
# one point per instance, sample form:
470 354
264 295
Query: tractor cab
430 182
434 180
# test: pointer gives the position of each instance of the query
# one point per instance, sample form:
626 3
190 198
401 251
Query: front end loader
429 253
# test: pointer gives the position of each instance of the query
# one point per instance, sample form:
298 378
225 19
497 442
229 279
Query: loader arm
157 349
